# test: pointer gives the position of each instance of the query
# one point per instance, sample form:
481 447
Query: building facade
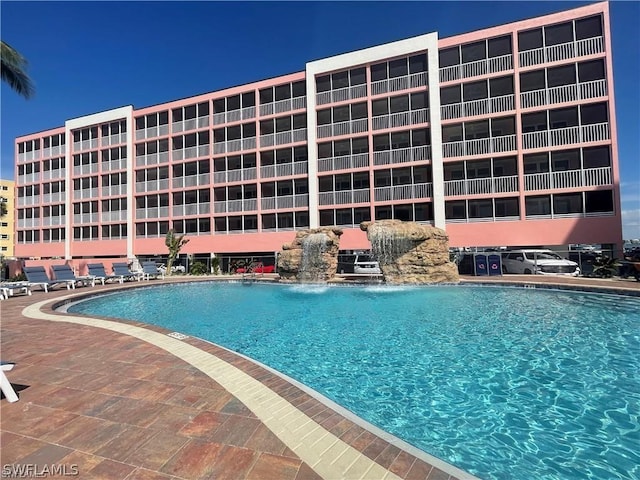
7 222
502 136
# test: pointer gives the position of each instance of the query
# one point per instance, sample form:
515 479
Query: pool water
505 383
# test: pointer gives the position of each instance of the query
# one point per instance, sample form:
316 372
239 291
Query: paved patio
123 400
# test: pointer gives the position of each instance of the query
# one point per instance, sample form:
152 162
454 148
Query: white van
534 261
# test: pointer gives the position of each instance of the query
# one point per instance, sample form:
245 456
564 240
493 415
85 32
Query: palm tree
14 72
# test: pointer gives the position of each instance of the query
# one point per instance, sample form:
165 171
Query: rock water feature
312 257
411 253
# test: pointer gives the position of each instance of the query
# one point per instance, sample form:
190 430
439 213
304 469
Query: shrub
198 268
215 265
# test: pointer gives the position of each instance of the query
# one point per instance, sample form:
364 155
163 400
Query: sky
87 57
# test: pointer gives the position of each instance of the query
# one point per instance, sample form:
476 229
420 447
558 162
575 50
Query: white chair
5 385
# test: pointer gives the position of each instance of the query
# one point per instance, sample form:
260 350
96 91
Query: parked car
365 264
162 268
538 261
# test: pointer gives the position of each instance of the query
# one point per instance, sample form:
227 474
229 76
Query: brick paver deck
142 405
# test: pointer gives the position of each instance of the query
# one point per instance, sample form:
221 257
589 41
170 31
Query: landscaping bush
198 268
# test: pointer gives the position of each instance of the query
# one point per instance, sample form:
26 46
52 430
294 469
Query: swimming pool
502 382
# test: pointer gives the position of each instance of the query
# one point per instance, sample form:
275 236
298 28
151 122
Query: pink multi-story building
503 136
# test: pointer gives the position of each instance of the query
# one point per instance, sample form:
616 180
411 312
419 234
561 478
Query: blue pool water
505 383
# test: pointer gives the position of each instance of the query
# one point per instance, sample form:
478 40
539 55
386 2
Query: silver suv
365 264
538 261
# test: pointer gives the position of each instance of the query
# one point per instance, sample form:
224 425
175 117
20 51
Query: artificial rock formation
312 257
411 253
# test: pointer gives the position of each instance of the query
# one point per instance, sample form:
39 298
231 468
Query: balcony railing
231 206
86 169
56 151
566 136
402 155
152 185
82 218
114 216
480 186
283 170
190 152
152 159
111 165
588 177
152 212
29 178
85 193
395 84
27 222
56 197
152 132
343 162
473 108
341 94
190 124
54 221
286 201
286 105
234 115
400 119
29 200
192 180
235 145
29 156
564 93
56 174
85 145
114 190
474 69
191 209
345 197
114 139
282 138
563 51
343 128
403 192
481 146
237 175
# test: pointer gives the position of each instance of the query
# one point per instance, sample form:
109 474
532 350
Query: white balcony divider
482 106
597 176
28 222
29 178
564 51
343 128
191 180
29 156
280 106
400 119
191 209
114 216
83 218
85 193
402 155
341 94
56 197
114 139
152 132
30 200
152 185
345 197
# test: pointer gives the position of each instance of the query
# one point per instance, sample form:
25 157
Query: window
449 57
558 76
455 210
594 113
480 209
557 34
565 160
563 118
450 95
474 52
530 39
531 81
589 27
500 46
590 71
501 86
475 91
536 163
567 203
596 157
476 130
598 201
538 205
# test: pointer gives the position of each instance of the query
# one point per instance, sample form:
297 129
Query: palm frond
13 70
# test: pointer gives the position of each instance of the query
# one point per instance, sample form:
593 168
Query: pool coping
337 459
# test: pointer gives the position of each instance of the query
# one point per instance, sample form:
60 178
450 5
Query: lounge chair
5 385
97 271
8 289
149 269
37 276
122 270
64 272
